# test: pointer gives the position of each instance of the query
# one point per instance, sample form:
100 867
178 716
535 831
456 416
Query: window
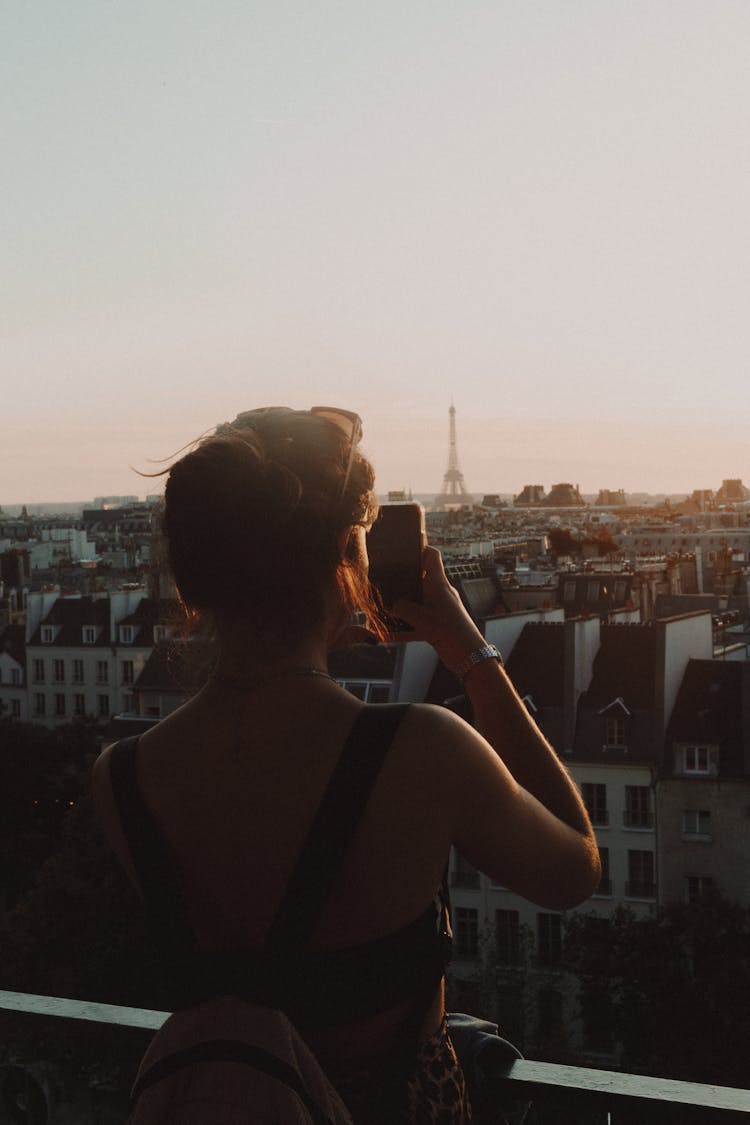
379 693
595 799
59 671
549 938
38 671
357 689
128 704
621 589
638 807
59 703
695 759
15 708
79 705
161 633
15 676
569 591
127 633
641 882
614 732
48 634
89 634
696 822
466 933
103 706
592 591
698 887
128 672
507 937
77 671
605 883
39 703
464 874
102 672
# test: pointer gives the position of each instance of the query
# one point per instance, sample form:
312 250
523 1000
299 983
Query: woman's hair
259 520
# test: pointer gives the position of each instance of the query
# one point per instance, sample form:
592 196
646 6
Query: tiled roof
709 703
176 667
12 642
624 667
70 615
446 685
623 672
149 612
536 665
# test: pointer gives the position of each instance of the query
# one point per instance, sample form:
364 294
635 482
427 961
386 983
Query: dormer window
616 717
127 634
699 761
89 634
161 633
614 731
48 634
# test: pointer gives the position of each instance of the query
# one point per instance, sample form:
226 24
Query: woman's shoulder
443 745
443 727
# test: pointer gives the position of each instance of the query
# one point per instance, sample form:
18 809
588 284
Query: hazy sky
539 209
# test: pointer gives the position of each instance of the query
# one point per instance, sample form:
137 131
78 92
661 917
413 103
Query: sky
537 210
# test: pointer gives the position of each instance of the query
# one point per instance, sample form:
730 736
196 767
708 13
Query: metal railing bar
522 1074
623 1085
82 1010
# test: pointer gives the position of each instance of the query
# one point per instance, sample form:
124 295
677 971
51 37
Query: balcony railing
559 1092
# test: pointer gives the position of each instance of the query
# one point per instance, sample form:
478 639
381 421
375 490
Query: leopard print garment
433 1093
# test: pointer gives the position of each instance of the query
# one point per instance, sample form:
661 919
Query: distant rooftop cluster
626 630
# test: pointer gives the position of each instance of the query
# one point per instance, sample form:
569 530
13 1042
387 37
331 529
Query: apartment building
13 699
84 653
703 789
603 694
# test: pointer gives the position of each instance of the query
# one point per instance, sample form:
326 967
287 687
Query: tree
43 774
676 985
563 541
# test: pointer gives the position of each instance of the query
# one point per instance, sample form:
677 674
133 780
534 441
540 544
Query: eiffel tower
454 492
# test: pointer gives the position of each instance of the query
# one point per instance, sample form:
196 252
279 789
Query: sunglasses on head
346 421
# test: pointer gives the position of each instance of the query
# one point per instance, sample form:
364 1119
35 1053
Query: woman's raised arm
519 815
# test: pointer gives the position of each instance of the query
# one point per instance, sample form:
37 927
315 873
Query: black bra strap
153 866
319 862
334 825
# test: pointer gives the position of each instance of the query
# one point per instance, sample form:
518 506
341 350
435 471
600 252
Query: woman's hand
441 618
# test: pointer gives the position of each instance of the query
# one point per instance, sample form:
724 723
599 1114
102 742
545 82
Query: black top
314 988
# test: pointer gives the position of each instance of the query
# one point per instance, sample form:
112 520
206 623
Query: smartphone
394 547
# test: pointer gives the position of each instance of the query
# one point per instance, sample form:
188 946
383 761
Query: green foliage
79 930
42 776
676 985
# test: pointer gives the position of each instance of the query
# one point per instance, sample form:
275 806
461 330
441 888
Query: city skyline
544 473
538 211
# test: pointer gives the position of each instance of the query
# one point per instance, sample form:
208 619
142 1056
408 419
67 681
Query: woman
265 524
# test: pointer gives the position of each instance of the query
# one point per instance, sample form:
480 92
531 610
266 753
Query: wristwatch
478 656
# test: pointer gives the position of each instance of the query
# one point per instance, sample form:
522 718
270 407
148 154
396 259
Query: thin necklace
240 684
